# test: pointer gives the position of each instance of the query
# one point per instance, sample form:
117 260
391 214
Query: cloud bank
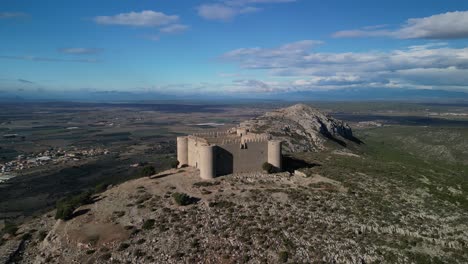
229 9
46 59
79 51
450 25
296 66
166 24
6 15
147 18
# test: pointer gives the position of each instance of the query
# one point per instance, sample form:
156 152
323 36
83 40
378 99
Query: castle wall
241 160
193 156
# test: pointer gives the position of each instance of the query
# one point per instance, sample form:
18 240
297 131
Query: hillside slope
349 209
302 128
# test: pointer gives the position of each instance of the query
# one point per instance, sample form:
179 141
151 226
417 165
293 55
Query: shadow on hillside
354 139
341 142
79 212
160 176
95 199
291 164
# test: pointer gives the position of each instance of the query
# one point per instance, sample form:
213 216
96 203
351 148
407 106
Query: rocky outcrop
302 128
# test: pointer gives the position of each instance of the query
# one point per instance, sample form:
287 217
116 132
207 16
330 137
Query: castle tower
207 162
241 131
274 153
182 150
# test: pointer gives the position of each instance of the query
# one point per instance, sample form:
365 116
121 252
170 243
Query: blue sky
232 46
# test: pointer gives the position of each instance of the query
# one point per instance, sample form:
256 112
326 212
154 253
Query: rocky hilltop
302 128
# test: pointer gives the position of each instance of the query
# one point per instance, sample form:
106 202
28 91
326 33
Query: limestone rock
302 128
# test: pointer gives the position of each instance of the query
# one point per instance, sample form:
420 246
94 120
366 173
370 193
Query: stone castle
233 151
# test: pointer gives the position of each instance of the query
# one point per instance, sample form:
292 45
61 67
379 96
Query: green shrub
100 187
148 224
26 236
123 246
175 164
268 168
147 171
105 256
283 256
118 213
67 206
64 211
139 253
41 235
10 228
182 199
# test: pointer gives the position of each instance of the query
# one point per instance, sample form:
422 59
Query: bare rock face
302 128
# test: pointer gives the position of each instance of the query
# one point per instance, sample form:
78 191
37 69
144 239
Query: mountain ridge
302 128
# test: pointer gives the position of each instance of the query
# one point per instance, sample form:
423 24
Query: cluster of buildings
227 152
53 156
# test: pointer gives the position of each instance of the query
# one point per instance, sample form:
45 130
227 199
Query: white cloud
450 25
249 2
175 28
166 24
363 33
216 12
79 51
46 59
228 9
152 37
5 15
252 86
432 65
147 18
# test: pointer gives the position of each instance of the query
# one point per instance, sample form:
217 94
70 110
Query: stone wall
230 158
194 151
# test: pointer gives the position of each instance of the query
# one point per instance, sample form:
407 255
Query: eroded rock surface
302 128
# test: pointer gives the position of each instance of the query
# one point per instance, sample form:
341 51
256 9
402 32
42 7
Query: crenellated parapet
212 134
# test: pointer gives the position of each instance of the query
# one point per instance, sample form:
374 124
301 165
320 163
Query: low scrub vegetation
148 224
183 199
67 206
147 171
174 164
268 168
10 228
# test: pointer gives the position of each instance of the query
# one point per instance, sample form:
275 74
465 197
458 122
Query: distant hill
362 94
302 128
349 94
